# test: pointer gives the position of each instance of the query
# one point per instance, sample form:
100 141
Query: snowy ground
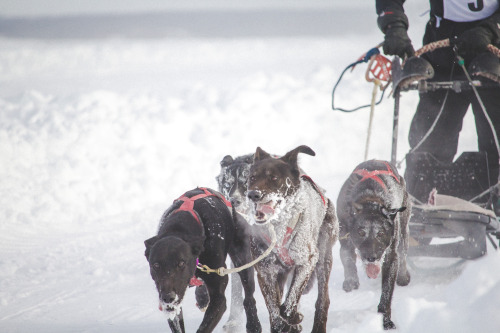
98 136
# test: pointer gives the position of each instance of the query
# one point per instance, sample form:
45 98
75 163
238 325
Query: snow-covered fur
373 211
306 230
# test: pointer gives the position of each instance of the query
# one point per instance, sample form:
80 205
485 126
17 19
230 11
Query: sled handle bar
446 43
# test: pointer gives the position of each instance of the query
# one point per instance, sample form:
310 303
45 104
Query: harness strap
282 249
309 179
188 203
374 174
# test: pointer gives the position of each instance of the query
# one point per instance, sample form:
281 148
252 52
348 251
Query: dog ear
149 243
291 156
260 154
227 160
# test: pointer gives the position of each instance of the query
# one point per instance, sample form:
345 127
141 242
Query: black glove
473 41
397 41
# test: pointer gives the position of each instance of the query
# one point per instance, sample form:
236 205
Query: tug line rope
222 271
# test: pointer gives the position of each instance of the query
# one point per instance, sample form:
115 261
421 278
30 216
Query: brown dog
373 212
306 228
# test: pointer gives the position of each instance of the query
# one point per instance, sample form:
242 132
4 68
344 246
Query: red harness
188 203
374 174
282 249
188 206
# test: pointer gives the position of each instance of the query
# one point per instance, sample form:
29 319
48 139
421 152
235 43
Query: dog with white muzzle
306 228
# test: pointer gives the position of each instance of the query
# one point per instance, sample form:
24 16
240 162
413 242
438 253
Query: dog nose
168 297
235 202
254 195
371 259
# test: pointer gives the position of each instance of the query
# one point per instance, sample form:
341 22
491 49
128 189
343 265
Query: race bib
468 10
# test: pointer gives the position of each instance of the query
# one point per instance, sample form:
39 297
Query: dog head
233 179
172 263
272 180
372 231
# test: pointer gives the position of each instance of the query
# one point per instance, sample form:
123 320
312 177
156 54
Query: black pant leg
442 142
486 142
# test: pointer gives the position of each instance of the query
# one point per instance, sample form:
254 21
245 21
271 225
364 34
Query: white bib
468 10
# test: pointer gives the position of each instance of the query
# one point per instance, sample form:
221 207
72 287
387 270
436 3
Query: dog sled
453 215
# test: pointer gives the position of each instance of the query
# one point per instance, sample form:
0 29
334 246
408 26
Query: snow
98 136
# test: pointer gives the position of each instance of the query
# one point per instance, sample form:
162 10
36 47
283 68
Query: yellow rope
221 271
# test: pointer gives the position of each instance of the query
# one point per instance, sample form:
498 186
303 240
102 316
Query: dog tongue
372 270
266 209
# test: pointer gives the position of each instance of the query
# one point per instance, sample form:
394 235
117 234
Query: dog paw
389 325
296 329
350 284
202 297
293 319
403 278
280 325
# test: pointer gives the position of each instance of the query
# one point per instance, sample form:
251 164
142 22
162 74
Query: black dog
373 211
306 229
199 227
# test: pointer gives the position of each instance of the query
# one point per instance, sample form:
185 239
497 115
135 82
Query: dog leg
404 277
216 286
177 324
348 258
234 322
302 273
323 269
247 278
389 273
271 285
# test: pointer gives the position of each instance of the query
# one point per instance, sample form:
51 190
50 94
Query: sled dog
373 212
200 228
233 180
306 229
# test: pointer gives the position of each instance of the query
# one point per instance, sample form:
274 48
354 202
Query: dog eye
181 264
362 232
156 266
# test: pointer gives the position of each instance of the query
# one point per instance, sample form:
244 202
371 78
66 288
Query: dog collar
374 174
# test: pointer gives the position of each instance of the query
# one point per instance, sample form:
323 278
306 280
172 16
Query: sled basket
460 226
